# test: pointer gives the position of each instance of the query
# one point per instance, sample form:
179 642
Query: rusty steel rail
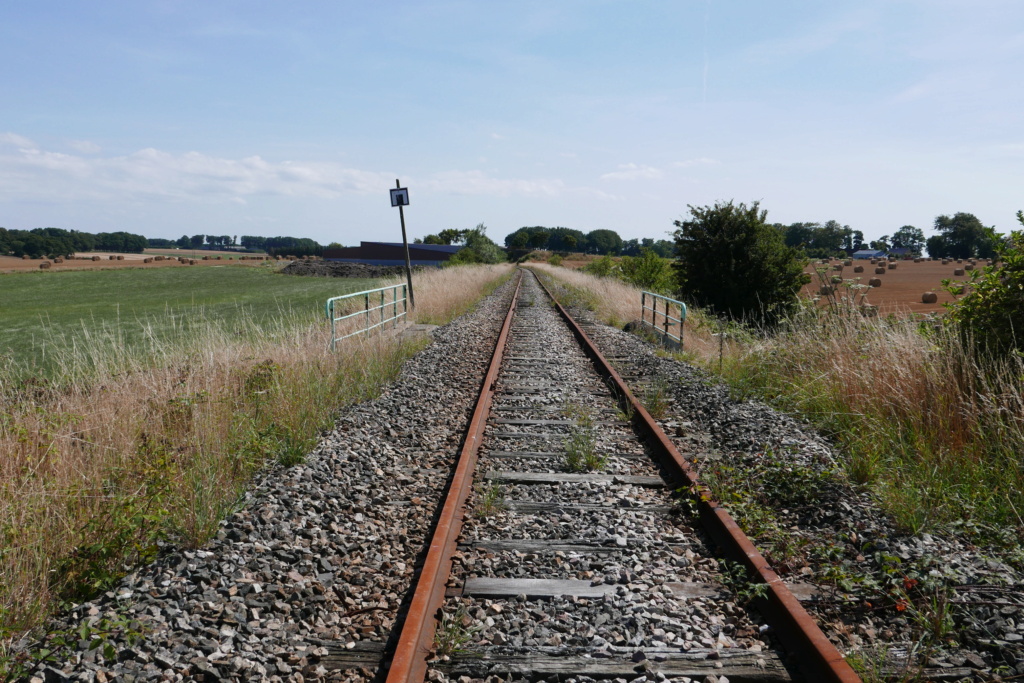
409 663
817 658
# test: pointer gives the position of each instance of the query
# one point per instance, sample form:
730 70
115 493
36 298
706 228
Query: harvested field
95 260
901 288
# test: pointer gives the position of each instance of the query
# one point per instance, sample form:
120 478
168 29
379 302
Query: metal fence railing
348 318
672 313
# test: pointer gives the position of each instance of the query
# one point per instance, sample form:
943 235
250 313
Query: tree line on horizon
55 242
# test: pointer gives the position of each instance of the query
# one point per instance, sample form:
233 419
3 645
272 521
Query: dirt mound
338 269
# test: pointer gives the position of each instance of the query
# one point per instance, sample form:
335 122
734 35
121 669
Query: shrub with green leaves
991 315
730 260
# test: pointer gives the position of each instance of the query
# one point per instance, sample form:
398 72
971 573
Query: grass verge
934 432
135 448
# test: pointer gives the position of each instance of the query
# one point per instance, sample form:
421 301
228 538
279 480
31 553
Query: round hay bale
206 258
892 266
825 290
917 260
58 260
858 269
191 261
120 258
847 262
929 298
837 268
959 260
147 260
958 271
24 257
869 311
969 266
875 282
873 261
44 265
945 261
880 270
95 258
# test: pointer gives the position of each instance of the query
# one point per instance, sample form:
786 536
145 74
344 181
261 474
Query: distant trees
962 236
600 241
731 261
479 248
447 236
909 237
603 242
818 240
54 242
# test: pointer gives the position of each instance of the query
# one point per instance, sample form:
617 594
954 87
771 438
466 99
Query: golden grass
615 303
935 432
138 447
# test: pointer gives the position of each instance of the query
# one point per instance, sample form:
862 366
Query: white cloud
29 173
633 171
700 161
85 146
14 140
479 183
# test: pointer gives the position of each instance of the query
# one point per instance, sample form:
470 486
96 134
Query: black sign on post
400 198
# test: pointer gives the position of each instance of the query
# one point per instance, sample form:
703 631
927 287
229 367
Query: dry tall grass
935 432
140 446
615 303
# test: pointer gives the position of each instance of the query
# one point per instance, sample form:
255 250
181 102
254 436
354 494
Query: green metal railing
668 312
346 318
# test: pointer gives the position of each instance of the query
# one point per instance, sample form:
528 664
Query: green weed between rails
656 399
580 448
97 473
454 632
490 500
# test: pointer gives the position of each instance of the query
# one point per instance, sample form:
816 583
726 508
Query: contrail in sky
707 18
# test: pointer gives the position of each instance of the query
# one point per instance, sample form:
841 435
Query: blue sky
179 117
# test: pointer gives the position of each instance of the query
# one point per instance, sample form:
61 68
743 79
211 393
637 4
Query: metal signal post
400 198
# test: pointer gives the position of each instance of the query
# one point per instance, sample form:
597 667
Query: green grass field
43 314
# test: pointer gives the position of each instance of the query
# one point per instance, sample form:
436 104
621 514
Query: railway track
563 553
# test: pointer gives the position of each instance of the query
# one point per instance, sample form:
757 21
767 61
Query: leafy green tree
882 243
991 315
538 239
937 246
602 267
731 261
648 271
964 236
603 242
909 237
518 240
479 249
197 241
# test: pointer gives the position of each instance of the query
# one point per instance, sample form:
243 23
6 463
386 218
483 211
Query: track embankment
576 559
